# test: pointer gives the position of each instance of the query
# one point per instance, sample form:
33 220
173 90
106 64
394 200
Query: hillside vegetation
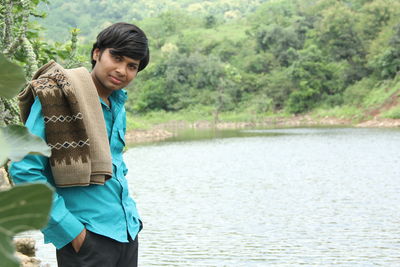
256 58
93 15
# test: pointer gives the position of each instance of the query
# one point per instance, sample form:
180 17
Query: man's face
113 72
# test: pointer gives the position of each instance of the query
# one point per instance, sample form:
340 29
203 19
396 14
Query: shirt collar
118 97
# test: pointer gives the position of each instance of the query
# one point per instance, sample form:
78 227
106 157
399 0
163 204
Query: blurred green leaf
22 143
22 208
4 151
12 78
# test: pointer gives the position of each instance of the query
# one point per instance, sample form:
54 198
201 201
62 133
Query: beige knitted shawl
74 124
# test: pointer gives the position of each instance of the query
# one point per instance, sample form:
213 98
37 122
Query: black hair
123 39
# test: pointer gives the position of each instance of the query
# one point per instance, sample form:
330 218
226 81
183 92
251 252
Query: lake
274 197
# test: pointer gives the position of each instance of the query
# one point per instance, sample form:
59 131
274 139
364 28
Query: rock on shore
380 123
26 252
141 136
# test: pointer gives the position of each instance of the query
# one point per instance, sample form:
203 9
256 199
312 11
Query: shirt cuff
64 232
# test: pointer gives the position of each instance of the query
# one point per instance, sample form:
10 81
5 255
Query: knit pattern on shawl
74 124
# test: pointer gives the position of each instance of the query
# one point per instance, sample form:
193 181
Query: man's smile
115 80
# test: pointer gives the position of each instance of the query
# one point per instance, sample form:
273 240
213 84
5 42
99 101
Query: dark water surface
281 197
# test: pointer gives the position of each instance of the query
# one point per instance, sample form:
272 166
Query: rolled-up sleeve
63 226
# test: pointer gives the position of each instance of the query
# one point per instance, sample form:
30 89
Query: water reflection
284 197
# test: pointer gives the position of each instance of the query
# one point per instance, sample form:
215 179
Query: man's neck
105 99
103 94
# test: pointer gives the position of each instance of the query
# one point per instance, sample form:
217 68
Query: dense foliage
278 55
21 43
288 55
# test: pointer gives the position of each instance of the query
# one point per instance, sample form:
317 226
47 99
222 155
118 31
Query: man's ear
96 54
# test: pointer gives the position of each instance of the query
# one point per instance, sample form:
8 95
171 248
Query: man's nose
121 70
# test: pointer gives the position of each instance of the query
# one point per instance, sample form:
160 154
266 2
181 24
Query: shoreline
169 129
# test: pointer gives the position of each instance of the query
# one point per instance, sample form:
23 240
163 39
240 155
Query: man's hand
78 241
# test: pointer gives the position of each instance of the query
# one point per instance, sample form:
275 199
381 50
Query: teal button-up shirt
103 209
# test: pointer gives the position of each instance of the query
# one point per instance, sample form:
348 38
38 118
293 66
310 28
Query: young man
81 115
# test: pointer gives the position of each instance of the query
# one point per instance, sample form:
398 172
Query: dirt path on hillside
377 121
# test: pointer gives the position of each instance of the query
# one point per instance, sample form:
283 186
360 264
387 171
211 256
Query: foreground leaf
24 207
22 143
4 150
12 78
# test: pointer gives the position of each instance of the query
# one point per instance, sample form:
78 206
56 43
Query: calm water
291 197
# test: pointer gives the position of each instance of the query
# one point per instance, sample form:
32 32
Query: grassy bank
205 114
159 125
340 115
367 100
186 119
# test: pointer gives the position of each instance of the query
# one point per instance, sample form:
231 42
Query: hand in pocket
78 241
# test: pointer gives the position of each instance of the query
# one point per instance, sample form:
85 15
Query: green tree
387 64
278 87
210 21
281 42
314 78
337 34
21 43
375 15
181 81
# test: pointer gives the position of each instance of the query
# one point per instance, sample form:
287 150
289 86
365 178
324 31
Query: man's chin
114 87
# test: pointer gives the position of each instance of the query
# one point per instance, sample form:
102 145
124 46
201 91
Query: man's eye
117 58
